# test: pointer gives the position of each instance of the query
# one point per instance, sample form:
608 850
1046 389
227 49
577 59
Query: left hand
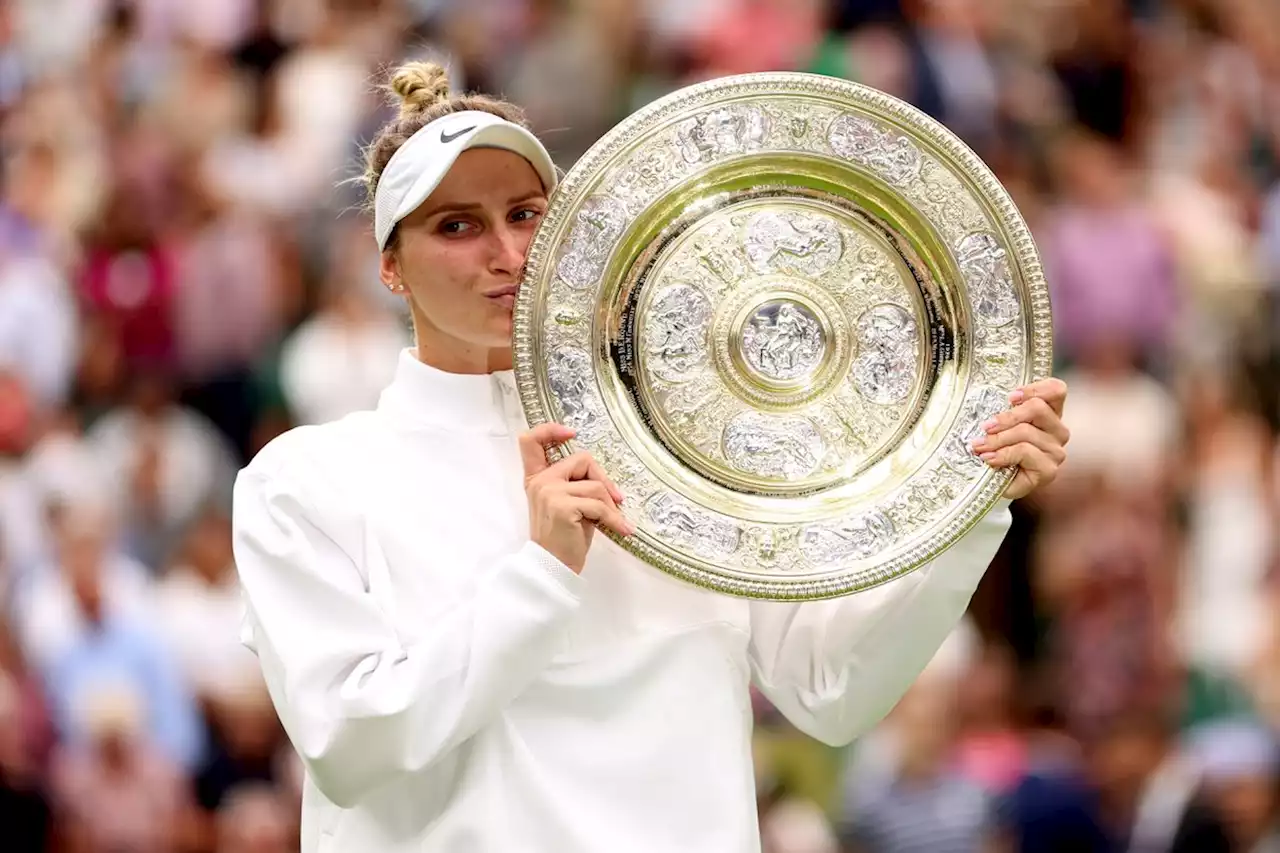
1031 436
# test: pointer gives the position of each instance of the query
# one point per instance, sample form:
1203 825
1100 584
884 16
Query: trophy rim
592 166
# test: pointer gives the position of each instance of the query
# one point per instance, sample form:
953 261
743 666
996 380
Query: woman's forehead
486 176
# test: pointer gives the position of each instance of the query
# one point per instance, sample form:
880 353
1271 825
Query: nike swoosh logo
446 138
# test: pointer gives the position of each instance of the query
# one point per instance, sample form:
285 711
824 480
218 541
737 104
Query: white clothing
452 687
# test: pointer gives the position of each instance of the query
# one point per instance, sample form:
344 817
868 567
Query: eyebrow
465 208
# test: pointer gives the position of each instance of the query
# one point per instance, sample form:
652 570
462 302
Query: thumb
534 444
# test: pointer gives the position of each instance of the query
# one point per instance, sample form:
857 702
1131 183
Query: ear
389 271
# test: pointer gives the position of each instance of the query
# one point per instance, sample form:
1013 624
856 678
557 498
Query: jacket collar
422 395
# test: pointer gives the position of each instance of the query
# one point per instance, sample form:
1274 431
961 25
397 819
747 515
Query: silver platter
776 308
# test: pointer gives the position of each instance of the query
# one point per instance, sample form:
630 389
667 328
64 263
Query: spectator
919 801
116 649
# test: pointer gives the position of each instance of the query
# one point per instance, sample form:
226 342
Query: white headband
421 163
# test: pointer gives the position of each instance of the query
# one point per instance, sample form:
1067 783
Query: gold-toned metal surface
776 308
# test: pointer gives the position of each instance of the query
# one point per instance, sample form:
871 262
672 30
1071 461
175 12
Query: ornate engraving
986 270
717 133
983 403
675 332
854 538
886 370
793 243
888 327
770 548
778 447
646 176
694 409
599 224
894 157
998 356
884 376
783 340
572 383
924 499
567 316
692 528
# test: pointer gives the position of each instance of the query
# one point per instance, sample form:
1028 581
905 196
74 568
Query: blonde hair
421 90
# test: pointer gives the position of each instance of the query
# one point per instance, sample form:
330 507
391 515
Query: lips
504 296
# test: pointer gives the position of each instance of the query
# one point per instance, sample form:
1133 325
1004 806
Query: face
459 258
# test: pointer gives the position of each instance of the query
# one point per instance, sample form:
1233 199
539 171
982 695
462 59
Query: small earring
396 288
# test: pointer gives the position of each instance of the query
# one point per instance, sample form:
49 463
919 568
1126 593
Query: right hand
568 499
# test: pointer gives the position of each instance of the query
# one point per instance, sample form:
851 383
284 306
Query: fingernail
1017 397
990 425
977 443
987 457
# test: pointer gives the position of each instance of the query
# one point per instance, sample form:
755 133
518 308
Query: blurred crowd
185 273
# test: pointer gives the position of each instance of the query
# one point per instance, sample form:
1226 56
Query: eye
526 214
455 227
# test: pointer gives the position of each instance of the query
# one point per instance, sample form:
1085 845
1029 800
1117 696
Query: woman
459 664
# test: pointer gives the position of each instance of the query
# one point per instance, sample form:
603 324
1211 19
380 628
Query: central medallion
783 342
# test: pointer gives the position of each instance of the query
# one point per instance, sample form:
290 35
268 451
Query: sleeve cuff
564 577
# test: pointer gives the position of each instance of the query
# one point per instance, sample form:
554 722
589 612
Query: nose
509 250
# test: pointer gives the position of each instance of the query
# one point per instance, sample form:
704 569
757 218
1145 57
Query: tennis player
461 664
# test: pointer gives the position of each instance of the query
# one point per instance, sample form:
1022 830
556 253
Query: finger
1026 456
1052 390
1022 434
596 472
588 489
583 466
534 444
603 515
1036 411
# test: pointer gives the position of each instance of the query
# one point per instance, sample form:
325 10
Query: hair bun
419 86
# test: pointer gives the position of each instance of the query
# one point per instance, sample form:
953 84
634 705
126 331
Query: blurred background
184 274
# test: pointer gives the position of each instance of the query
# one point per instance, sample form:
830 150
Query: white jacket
451 687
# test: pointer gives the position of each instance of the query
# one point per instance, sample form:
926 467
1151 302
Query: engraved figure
644 178
854 538
718 132
722 263
886 369
895 158
890 327
792 243
569 375
985 266
599 224
684 525
982 404
779 448
883 376
782 341
676 332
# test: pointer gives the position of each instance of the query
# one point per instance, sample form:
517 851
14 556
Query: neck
447 353
479 360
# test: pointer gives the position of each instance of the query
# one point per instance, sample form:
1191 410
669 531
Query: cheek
440 272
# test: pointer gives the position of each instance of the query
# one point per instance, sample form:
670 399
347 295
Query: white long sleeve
360 705
836 668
